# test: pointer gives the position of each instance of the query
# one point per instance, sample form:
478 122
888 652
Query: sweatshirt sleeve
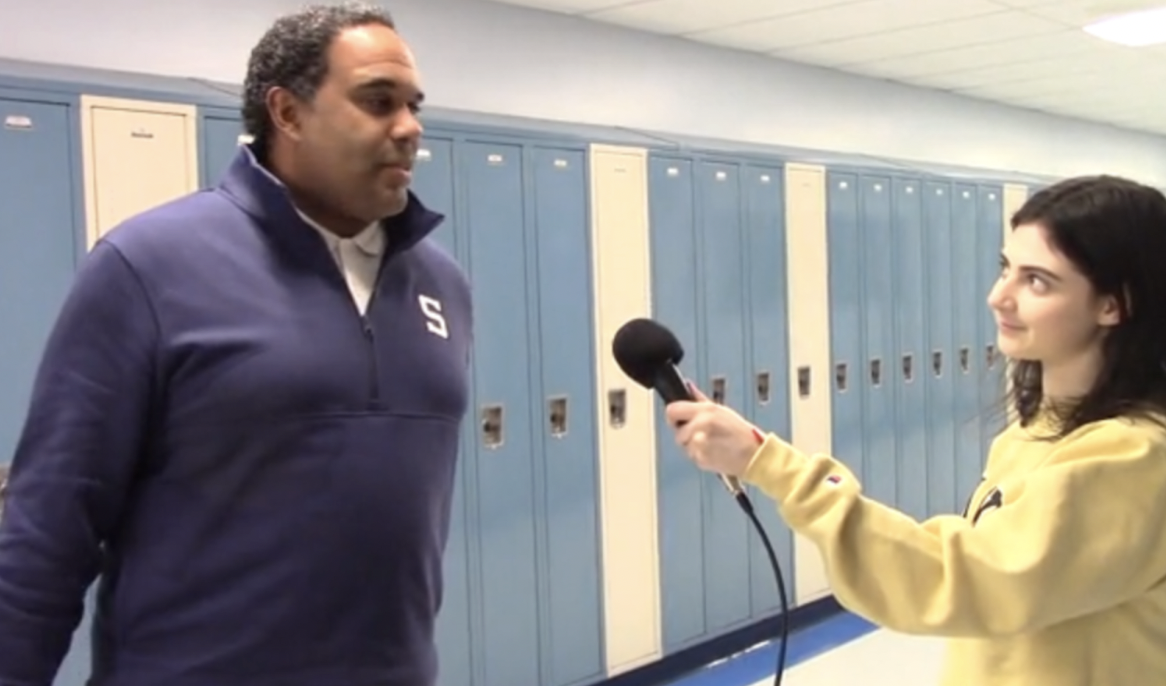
1085 531
73 463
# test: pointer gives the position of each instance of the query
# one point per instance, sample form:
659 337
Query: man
240 422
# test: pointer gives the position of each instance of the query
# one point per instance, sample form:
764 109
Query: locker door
674 282
989 242
38 248
767 404
571 639
221 138
878 312
941 475
968 312
846 339
910 368
138 155
492 175
433 183
725 378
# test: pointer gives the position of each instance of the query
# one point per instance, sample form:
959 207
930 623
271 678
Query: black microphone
650 354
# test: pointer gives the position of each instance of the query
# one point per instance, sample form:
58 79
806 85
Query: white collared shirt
359 258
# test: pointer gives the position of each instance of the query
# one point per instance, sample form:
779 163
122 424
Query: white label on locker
673 171
721 176
910 190
878 188
14 121
991 196
141 133
245 139
967 194
843 185
424 155
560 164
939 191
494 158
765 178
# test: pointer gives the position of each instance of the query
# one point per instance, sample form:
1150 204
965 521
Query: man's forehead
371 48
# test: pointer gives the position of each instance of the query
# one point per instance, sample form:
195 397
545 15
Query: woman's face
1045 309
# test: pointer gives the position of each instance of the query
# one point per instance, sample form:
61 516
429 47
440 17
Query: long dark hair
1114 232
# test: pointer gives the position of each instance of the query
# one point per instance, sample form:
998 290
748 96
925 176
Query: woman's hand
715 437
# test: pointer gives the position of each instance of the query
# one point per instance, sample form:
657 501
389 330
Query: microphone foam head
641 347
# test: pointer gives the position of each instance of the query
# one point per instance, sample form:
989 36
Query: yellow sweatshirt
1053 578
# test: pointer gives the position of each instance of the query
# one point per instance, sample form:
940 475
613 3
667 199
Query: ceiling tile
841 22
988 54
690 16
970 32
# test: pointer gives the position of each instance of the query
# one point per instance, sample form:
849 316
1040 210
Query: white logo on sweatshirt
434 319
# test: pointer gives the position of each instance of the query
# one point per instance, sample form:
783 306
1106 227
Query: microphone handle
672 388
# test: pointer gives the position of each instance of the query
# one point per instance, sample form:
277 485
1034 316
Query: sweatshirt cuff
775 467
805 487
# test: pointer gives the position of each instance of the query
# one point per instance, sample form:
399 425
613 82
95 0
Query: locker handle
840 376
557 414
990 356
492 432
937 362
803 382
718 387
617 408
763 388
908 367
965 359
876 372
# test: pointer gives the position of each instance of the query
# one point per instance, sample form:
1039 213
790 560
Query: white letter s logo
434 319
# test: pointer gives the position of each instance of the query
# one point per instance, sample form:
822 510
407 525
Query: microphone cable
742 499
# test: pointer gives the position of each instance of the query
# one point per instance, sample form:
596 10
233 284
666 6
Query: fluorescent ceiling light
1136 29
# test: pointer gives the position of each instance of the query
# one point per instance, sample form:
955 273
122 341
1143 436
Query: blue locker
911 366
725 379
571 617
968 312
433 183
40 238
846 317
219 143
940 368
768 403
989 242
507 622
675 279
877 371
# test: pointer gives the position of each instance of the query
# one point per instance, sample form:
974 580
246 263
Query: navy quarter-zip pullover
260 474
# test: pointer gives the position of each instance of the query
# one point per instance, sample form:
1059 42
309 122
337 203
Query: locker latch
492 434
617 403
937 362
876 372
840 376
965 359
718 390
763 388
908 367
990 356
557 413
803 382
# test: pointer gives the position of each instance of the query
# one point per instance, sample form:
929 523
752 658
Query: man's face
354 144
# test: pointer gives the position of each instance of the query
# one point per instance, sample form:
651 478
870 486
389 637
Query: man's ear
286 111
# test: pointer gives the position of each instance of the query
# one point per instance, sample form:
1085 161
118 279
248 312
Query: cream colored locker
627 440
137 155
807 283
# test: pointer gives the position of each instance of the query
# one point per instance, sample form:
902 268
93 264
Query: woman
1054 576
